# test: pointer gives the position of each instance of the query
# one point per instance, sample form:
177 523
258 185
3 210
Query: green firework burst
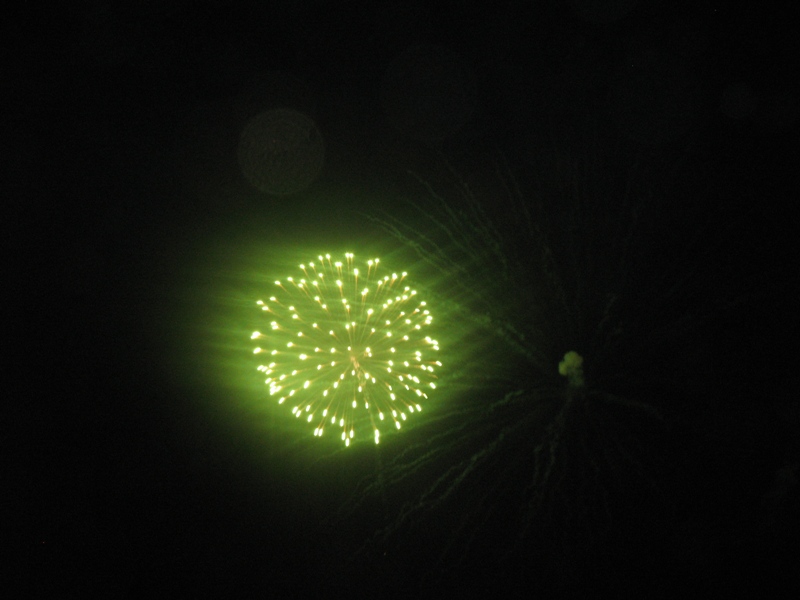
348 346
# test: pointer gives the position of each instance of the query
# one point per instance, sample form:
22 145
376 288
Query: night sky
166 161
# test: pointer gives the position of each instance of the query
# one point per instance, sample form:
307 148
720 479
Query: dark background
134 463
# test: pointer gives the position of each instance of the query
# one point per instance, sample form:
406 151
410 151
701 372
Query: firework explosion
565 434
348 347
